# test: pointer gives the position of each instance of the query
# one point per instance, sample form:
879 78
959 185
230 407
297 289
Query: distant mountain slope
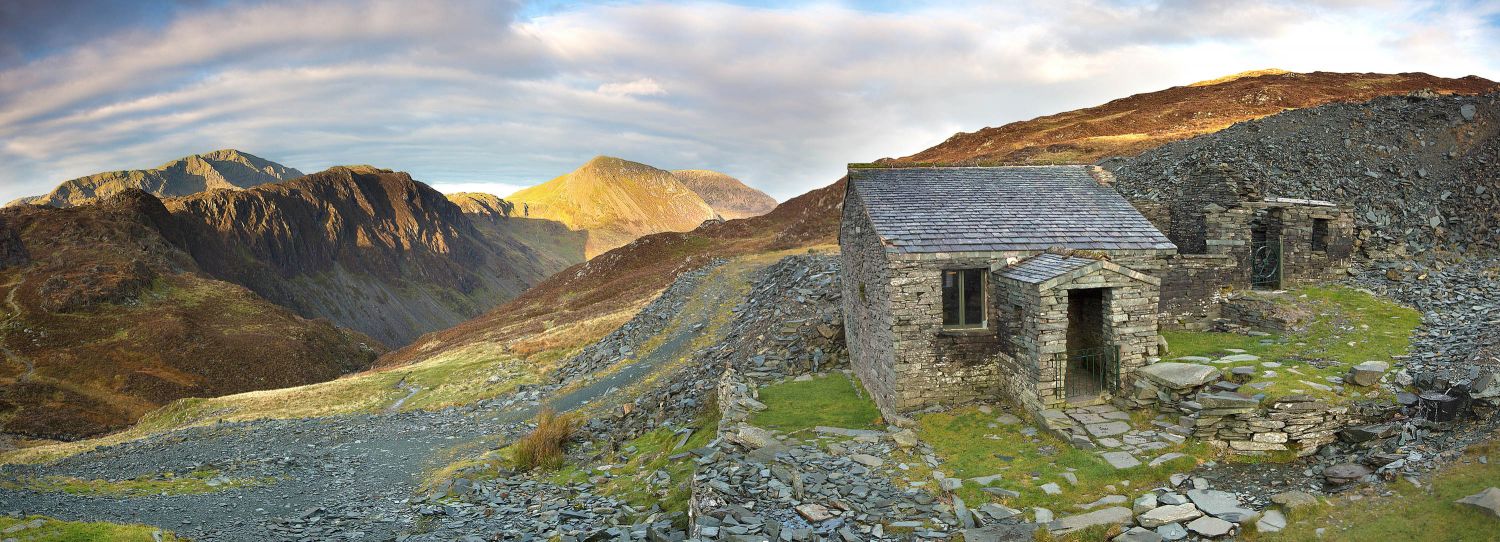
615 201
580 304
370 249
727 195
1128 126
104 319
227 169
550 244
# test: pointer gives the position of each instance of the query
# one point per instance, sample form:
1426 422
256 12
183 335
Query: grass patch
53 530
969 447
542 448
632 473
1347 327
1412 513
456 377
835 400
193 483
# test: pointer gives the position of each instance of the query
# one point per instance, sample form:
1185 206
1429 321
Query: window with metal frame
964 299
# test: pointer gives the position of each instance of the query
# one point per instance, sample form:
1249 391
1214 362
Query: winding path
15 312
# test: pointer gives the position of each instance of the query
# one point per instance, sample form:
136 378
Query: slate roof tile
956 209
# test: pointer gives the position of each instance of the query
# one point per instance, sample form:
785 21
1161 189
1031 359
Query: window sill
964 331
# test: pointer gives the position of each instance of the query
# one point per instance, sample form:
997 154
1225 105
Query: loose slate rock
1169 514
1179 375
1487 500
1120 460
1210 526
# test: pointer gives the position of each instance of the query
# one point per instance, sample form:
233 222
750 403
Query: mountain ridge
220 169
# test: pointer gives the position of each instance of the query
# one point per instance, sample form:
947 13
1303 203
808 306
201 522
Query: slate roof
958 209
1043 267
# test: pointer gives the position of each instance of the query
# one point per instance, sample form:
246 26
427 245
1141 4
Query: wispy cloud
459 91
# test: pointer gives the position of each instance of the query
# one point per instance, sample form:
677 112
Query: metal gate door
1265 264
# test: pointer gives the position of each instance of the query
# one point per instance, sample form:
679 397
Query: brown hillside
728 196
623 277
1131 125
221 169
104 319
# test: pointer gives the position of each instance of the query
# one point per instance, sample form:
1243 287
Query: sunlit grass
834 400
54 530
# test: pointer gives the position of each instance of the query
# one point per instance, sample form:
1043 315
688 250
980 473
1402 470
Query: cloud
644 86
459 91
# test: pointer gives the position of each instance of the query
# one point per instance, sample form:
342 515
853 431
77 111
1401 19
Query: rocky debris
1413 170
1487 500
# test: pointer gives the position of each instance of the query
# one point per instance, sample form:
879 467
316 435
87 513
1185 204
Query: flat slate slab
1120 460
1114 515
1179 375
1220 504
1107 429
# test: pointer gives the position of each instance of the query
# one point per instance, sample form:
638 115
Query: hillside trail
366 466
14 313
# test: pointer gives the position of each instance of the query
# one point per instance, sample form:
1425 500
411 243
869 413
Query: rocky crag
370 249
106 319
728 197
226 169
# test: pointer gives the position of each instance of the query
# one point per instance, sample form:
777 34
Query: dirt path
410 391
15 313
365 466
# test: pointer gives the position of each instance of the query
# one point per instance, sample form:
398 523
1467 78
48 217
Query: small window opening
1320 235
963 299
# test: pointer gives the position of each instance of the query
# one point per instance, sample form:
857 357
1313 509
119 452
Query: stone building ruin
1033 283
1231 237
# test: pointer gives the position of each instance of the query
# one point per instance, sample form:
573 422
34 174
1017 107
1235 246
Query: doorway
1092 359
1265 251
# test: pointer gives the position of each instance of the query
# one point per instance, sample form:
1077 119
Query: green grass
834 400
968 448
1347 327
75 531
630 477
192 483
1412 513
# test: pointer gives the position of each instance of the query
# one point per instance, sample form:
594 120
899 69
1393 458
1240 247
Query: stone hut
1032 283
1230 236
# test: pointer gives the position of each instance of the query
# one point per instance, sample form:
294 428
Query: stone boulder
1169 514
1487 500
1179 376
1367 373
1344 473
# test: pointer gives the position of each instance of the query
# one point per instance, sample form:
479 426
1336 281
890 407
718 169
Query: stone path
1109 431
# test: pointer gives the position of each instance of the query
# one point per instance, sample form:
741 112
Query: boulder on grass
1487 500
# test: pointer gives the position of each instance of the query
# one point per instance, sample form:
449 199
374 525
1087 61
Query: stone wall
1252 311
1130 304
1248 425
866 287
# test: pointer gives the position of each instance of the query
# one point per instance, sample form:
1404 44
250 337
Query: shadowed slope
105 320
370 249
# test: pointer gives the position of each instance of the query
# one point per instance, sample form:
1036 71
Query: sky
491 96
